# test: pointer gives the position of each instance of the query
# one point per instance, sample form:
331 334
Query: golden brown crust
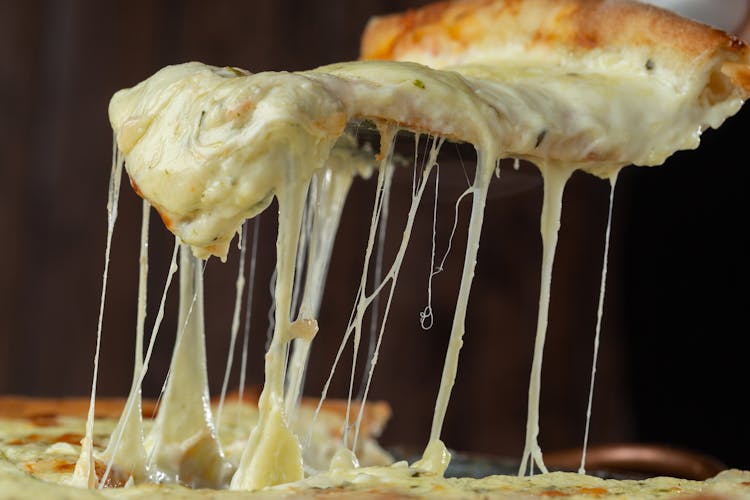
442 34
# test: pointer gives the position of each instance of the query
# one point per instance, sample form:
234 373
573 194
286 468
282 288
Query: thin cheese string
271 316
414 167
248 316
358 317
291 202
441 267
84 469
599 314
133 410
331 186
150 349
463 166
394 273
305 258
239 290
425 317
169 370
388 136
555 178
378 273
178 341
301 261
480 187
142 288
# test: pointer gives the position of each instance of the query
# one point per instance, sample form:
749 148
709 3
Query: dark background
674 357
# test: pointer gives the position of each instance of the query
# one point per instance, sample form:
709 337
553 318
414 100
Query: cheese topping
211 147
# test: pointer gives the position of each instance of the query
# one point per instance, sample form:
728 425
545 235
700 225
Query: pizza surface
41 438
40 443
551 82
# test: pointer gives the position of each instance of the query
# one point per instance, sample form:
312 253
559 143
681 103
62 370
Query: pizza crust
592 32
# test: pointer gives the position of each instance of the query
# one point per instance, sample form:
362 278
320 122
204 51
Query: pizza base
39 445
450 33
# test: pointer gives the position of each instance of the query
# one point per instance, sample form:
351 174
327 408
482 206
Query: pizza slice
572 84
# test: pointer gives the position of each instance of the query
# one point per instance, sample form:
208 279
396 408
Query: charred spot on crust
68 437
650 65
65 467
44 420
31 438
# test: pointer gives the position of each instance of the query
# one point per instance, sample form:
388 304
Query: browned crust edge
446 29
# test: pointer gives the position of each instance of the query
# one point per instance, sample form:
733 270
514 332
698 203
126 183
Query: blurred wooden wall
674 353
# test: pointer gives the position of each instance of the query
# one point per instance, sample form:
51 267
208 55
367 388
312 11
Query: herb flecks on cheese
210 148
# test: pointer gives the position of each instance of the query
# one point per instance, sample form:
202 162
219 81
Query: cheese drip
234 330
330 188
133 451
248 317
436 457
599 315
84 474
126 442
236 140
273 453
381 192
182 443
391 276
555 178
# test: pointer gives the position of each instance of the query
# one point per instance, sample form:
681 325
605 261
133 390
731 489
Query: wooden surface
673 363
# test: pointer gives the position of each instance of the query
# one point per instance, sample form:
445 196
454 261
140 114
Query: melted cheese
184 425
204 144
33 462
485 167
235 328
599 315
331 187
210 147
126 447
555 178
84 474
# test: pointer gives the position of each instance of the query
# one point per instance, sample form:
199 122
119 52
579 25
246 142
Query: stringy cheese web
210 147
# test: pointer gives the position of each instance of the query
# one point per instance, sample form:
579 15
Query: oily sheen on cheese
210 147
